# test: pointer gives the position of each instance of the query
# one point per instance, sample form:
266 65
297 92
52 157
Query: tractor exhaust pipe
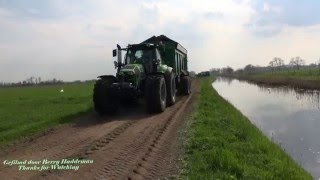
118 63
119 54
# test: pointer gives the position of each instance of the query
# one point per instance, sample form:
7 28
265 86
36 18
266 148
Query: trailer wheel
156 94
104 100
171 89
186 85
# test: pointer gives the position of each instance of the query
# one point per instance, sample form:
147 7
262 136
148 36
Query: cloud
77 35
74 39
272 16
213 15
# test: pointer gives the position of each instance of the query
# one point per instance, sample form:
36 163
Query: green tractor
155 70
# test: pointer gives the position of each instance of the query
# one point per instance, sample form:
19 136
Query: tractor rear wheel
186 85
171 89
105 101
156 94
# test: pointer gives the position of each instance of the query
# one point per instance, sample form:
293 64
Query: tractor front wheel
104 100
156 94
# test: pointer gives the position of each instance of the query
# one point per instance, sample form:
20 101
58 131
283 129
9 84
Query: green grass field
27 110
223 144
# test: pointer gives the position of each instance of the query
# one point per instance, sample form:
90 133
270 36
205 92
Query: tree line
31 81
37 81
276 64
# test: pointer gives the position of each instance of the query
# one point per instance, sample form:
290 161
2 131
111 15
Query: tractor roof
164 39
141 45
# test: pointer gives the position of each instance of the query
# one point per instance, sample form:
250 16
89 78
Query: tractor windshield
143 56
140 56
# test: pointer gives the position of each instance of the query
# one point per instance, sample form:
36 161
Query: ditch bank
303 83
224 144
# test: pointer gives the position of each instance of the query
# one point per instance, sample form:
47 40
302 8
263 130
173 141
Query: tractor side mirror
114 53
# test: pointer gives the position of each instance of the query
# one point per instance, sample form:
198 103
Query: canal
290 117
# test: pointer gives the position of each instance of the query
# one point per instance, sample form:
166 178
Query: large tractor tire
156 94
185 85
105 101
171 89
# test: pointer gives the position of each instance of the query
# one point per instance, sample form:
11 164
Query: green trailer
155 69
173 54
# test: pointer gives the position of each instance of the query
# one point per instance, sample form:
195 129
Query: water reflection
288 116
303 95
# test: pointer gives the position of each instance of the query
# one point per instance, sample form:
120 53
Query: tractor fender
168 71
108 77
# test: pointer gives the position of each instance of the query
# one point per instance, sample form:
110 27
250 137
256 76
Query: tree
249 68
297 62
239 71
192 74
214 71
319 65
276 63
272 65
229 70
279 63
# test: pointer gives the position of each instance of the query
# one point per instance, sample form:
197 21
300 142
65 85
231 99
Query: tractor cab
145 54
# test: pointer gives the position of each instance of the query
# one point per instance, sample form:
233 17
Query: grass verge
223 144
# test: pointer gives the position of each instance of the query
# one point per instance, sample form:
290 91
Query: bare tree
297 62
276 63
319 65
279 63
272 65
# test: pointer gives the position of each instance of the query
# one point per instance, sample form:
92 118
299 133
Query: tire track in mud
97 145
119 157
92 147
115 159
126 158
141 158
59 144
149 165
134 151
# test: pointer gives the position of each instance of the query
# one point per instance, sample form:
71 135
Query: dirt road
131 145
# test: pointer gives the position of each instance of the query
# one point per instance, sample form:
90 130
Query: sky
73 39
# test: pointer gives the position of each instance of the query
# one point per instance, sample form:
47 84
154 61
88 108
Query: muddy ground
130 145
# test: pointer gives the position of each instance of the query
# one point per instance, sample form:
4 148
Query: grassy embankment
308 79
223 144
27 110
